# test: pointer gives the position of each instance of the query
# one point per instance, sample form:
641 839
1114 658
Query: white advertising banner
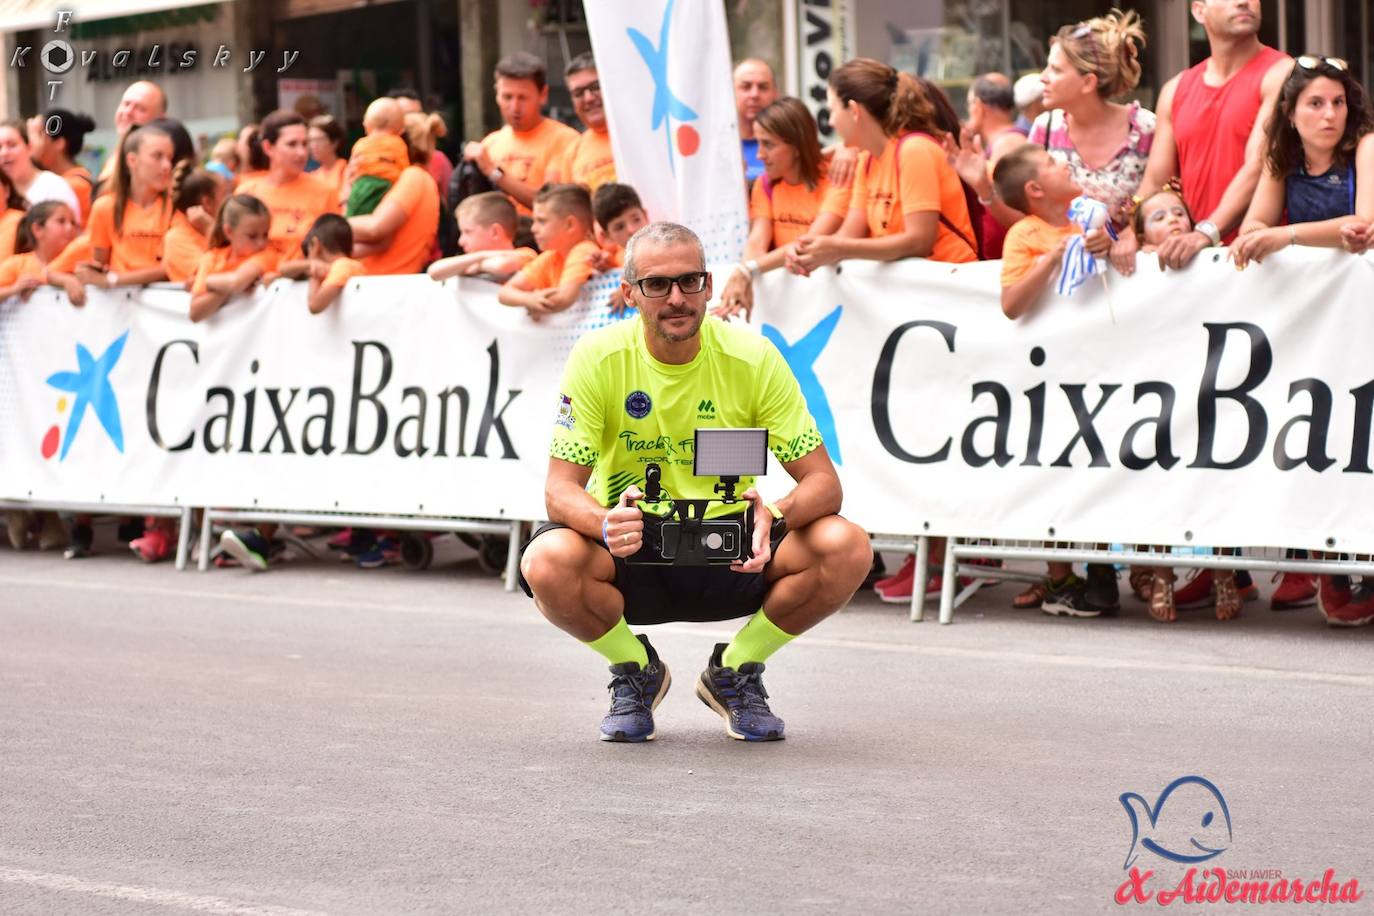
670 104
823 39
1209 407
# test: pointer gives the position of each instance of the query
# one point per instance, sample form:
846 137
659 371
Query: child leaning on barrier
196 198
563 230
1160 216
486 232
1030 180
43 233
329 247
619 215
239 255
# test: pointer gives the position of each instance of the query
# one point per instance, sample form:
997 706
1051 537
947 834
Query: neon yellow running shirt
619 409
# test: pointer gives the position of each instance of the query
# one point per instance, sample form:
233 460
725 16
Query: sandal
1228 594
1033 597
1142 582
1162 596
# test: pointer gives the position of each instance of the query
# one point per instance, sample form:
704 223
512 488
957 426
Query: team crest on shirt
565 416
638 405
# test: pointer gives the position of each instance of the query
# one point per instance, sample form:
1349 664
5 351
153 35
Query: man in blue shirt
755 90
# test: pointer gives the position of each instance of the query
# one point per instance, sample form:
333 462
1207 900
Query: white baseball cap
1027 89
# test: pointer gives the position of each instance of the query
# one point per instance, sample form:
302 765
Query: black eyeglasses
658 287
1309 62
586 90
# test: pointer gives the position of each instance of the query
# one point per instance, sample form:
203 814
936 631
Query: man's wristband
1209 229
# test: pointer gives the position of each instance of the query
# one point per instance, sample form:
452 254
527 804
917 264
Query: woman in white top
33 182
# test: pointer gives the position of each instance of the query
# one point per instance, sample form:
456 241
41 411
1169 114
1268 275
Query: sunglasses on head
658 287
1309 62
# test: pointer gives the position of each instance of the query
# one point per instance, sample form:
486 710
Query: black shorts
665 594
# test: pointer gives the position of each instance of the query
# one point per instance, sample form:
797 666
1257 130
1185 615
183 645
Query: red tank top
1211 127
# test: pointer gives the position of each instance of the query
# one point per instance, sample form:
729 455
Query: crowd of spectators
1249 148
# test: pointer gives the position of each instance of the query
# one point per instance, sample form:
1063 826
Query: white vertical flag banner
665 74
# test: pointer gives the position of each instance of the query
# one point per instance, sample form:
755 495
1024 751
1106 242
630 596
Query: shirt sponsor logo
706 410
565 416
638 405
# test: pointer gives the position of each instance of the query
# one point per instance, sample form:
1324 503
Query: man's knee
556 559
842 547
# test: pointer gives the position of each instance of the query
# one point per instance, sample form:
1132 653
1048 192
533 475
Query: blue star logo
91 385
801 359
666 105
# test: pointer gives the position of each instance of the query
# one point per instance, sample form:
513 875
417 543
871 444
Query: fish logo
801 359
1189 823
667 106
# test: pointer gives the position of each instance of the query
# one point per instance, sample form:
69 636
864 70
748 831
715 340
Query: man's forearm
1231 208
573 506
815 496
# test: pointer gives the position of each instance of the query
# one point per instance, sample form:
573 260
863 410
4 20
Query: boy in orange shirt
377 159
486 233
329 245
563 228
1030 180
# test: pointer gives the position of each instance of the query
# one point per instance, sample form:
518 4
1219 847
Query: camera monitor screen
730 453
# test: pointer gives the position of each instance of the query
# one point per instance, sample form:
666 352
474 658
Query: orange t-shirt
182 247
16 266
381 156
587 160
294 206
341 271
418 195
9 228
82 186
1026 242
333 175
921 181
139 243
792 208
222 260
527 155
78 252
553 268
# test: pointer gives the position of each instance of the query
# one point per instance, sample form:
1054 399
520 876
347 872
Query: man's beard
669 336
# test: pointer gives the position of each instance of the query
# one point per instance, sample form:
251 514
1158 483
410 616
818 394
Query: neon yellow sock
619 645
759 639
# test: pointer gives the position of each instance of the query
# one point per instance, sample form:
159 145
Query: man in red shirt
1210 130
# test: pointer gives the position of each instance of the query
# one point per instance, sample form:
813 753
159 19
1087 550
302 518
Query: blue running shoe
739 698
635 693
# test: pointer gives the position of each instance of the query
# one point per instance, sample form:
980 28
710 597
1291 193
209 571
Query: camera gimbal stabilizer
683 536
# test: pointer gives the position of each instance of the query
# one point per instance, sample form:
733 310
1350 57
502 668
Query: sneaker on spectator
340 539
80 545
1295 590
907 572
249 547
1102 593
1069 599
635 694
154 547
900 592
1333 593
1358 611
738 697
17 526
383 552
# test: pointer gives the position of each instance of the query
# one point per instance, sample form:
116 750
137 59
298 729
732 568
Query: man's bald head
755 89
142 102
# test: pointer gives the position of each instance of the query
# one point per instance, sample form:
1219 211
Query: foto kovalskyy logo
1190 823
90 384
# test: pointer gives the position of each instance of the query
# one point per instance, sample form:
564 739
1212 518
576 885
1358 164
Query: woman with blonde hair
1105 143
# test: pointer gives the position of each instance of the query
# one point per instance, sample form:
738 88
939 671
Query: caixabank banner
1205 407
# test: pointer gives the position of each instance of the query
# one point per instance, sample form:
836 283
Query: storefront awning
18 15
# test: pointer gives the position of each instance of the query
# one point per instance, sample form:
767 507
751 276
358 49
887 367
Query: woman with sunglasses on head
1318 173
793 197
1105 143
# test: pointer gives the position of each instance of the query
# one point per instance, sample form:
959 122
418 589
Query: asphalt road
324 739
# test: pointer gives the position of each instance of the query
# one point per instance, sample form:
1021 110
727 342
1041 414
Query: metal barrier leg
513 555
204 562
183 538
918 582
947 584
